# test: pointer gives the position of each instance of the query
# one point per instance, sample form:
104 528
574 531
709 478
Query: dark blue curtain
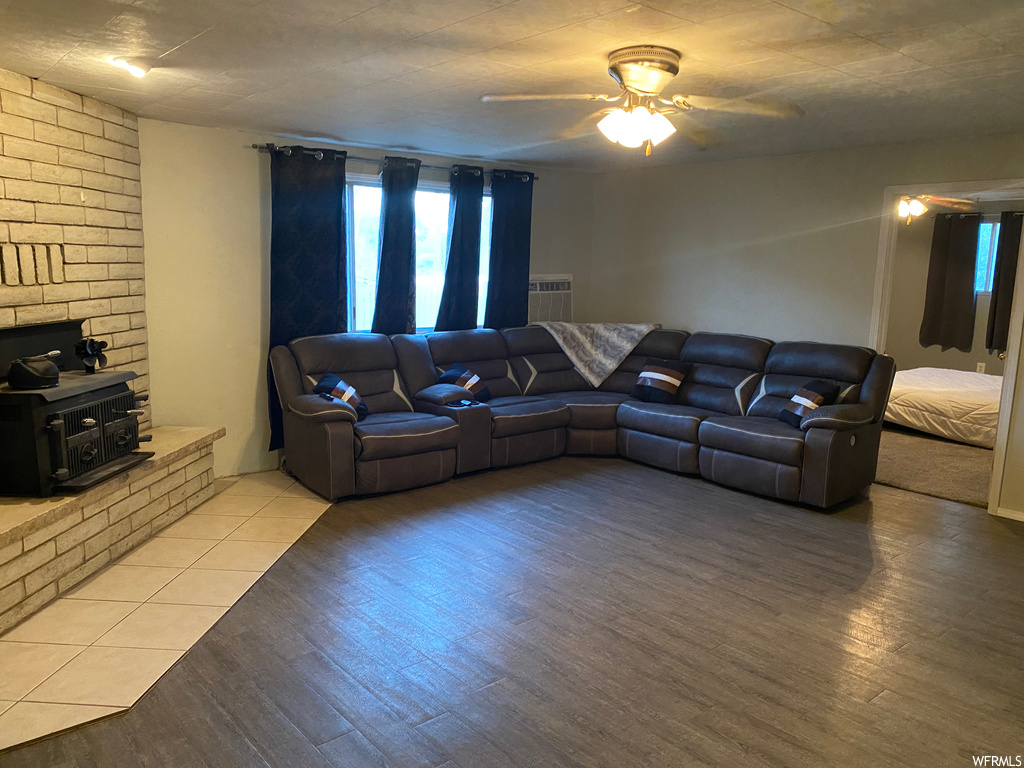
308 275
1003 281
509 280
461 294
949 307
395 309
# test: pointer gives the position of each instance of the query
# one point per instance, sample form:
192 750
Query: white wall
206 210
207 222
781 246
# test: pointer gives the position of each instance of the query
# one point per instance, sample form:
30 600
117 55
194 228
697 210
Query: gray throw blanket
597 349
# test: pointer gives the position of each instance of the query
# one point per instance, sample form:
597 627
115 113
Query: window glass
485 258
365 224
431 253
988 242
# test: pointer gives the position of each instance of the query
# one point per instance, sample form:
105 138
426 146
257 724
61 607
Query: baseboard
1012 514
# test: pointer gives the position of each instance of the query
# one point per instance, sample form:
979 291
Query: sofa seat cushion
386 435
526 414
590 409
679 422
498 402
759 437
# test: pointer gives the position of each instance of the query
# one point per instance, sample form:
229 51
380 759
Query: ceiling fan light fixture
611 124
635 127
660 128
909 207
135 67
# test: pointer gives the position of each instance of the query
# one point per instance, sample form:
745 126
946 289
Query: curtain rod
319 155
974 213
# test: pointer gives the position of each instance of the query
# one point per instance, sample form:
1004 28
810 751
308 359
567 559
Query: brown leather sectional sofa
723 426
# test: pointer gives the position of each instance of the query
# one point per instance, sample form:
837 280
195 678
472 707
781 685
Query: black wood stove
69 437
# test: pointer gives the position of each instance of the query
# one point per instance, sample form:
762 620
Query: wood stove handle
60 474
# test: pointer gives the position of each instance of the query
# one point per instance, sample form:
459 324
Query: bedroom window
985 266
431 252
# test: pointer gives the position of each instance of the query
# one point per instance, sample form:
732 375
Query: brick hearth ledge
47 546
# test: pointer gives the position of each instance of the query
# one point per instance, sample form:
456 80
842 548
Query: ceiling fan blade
549 97
742 106
586 126
319 138
956 203
692 131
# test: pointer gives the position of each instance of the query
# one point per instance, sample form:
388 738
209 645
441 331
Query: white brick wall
71 243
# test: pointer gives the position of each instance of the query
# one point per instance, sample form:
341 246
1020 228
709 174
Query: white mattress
958 405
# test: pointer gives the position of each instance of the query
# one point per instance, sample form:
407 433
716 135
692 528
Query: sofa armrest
320 410
838 465
473 452
443 394
842 417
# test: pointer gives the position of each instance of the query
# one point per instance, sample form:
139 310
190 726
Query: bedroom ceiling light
636 126
909 207
137 67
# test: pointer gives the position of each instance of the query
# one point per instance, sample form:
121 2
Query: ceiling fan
911 206
642 117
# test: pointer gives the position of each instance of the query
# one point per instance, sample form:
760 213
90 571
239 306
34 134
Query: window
431 253
985 266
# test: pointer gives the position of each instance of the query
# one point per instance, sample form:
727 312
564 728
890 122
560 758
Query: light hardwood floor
589 612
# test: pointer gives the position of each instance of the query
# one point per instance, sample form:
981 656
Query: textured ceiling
408 74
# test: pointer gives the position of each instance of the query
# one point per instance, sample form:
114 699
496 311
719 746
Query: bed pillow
814 394
461 376
659 381
332 385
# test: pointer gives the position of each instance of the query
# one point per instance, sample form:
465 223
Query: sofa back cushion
539 364
725 371
792 364
415 364
364 360
663 344
483 351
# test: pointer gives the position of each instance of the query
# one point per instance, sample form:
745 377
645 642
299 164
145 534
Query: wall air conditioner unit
551 298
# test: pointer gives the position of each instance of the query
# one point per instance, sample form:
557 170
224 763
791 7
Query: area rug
933 466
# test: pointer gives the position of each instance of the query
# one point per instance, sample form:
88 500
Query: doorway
947 424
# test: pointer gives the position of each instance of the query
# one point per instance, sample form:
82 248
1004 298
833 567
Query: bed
958 405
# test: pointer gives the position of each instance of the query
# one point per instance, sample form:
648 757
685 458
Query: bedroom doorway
946 427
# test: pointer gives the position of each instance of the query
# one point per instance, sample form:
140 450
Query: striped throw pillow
659 381
812 395
461 376
332 384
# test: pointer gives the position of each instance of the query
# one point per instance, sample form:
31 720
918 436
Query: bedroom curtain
949 307
1003 281
395 308
509 280
308 275
461 293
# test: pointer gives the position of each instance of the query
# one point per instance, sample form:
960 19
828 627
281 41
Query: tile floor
98 649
